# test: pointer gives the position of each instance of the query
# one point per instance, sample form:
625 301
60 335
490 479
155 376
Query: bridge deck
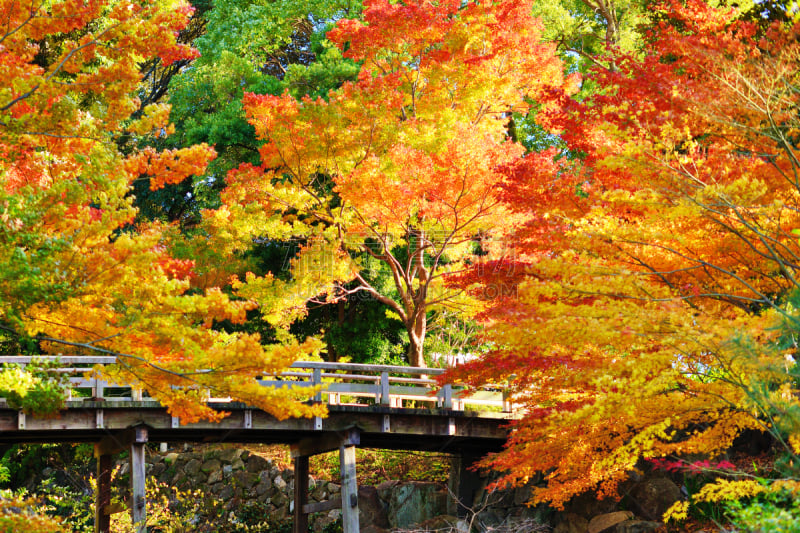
442 430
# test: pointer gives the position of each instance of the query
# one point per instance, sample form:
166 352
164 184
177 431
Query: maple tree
653 300
399 169
75 275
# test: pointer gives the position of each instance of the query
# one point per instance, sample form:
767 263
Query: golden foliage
23 515
651 292
405 165
74 274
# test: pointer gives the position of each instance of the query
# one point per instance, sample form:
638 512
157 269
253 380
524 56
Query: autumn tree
75 276
400 169
261 47
265 48
658 269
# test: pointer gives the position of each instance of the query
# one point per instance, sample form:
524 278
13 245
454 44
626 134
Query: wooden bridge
387 407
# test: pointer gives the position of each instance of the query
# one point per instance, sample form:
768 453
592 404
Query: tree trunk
416 336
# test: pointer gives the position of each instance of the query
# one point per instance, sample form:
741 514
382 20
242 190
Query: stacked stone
239 478
236 478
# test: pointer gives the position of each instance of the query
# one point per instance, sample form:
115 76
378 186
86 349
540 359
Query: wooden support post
317 377
347 465
506 402
507 405
385 399
98 389
102 519
447 396
346 441
300 494
138 502
463 485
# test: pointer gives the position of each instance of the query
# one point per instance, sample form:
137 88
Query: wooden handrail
342 382
359 367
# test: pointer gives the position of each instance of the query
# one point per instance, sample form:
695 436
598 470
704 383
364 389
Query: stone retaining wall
237 478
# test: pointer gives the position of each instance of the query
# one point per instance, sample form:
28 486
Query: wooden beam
114 508
321 507
347 466
300 494
326 442
114 443
138 501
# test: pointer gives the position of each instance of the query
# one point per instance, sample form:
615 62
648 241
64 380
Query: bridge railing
342 384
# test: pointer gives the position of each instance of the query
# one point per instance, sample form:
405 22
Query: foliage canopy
75 275
653 305
404 165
